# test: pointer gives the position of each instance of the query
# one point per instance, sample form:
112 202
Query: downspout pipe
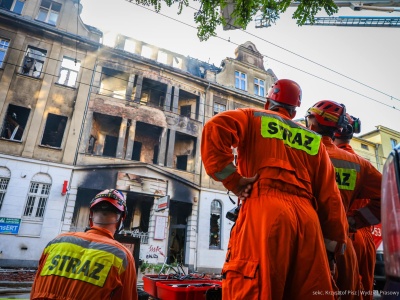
201 182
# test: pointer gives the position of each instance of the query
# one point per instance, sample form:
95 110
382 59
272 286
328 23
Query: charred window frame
14 122
49 11
92 144
215 225
3 50
69 71
33 62
37 200
15 6
54 130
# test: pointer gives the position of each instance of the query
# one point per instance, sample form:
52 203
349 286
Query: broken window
147 51
69 71
218 107
15 122
162 57
137 149
33 61
186 110
15 6
153 93
110 146
48 12
181 162
104 135
129 45
3 50
155 154
177 62
54 130
113 83
215 224
37 200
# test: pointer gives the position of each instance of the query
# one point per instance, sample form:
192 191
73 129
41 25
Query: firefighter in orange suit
92 264
356 179
362 239
277 249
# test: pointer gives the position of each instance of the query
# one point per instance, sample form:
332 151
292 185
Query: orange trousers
276 251
364 247
347 276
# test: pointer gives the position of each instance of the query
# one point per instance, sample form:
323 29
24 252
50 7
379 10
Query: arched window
5 175
38 194
215 224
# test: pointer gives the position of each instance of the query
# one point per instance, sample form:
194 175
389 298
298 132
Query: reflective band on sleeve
290 133
345 164
228 170
346 178
79 259
369 216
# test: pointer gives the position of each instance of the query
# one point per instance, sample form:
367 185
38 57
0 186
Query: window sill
50 147
30 77
43 22
13 141
65 86
215 248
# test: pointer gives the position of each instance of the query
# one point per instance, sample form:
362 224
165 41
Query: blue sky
367 57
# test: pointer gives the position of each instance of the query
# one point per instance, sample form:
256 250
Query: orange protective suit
276 249
356 178
85 265
363 243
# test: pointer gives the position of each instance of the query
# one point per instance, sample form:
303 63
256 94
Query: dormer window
48 12
15 6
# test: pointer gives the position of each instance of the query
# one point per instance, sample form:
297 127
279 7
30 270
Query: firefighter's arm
330 208
222 132
128 281
370 214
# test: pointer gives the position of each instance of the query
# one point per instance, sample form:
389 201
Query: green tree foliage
209 16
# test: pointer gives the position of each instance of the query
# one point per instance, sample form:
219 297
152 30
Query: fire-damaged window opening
54 130
104 135
33 61
128 126
137 149
185 152
186 110
153 93
114 83
188 104
146 144
14 122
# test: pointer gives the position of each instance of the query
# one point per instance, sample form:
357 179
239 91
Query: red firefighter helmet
285 91
110 199
353 126
329 113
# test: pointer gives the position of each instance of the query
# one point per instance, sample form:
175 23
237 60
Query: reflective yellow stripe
346 178
226 172
290 133
76 262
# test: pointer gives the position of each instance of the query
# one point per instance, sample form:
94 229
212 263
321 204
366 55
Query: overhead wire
289 65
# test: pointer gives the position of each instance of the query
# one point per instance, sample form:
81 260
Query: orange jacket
85 265
357 178
286 155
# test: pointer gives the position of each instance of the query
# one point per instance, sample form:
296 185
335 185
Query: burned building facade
79 116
